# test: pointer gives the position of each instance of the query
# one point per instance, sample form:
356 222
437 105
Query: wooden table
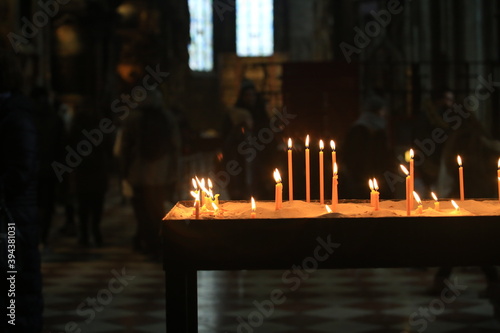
267 244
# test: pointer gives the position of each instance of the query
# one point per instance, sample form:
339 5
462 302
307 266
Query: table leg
181 301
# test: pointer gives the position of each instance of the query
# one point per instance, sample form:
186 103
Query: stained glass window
254 28
201 30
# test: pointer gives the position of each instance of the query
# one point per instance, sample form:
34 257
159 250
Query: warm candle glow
290 170
252 214
209 184
417 198
278 196
308 171
412 154
321 145
419 202
332 145
461 177
195 184
372 192
328 209
194 194
335 191
405 170
408 186
457 208
375 184
436 201
370 184
215 207
277 176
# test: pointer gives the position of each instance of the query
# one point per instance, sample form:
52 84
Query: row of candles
207 202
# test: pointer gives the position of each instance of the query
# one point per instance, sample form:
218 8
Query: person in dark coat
245 121
51 138
18 175
91 175
365 152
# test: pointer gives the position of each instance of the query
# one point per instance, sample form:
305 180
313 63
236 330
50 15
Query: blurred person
51 138
18 193
464 136
430 118
92 174
244 121
365 151
149 152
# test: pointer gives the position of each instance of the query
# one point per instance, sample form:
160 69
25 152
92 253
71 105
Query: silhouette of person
91 176
51 137
242 124
365 151
18 191
149 154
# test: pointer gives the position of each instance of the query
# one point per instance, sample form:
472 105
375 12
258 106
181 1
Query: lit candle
202 192
419 202
334 152
412 175
457 208
407 173
321 174
279 189
498 176
252 214
290 171
372 191
461 177
335 185
308 172
197 209
436 201
376 194
328 209
216 208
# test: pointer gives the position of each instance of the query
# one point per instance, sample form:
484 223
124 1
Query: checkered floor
113 289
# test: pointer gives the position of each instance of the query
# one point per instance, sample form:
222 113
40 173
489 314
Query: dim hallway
113 289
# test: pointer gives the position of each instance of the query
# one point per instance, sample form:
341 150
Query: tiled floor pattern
114 290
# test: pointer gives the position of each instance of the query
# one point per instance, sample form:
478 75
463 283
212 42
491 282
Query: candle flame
253 205
370 184
321 145
457 208
193 193
215 206
412 154
417 197
499 163
209 184
459 160
405 170
328 209
332 144
195 184
375 184
307 141
277 176
202 183
289 143
335 169
434 196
